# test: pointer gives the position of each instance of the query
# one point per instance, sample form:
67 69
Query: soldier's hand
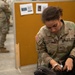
56 66
68 64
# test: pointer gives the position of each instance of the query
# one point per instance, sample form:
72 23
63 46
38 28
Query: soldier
55 42
4 25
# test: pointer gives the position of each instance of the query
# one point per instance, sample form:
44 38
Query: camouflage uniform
4 23
51 46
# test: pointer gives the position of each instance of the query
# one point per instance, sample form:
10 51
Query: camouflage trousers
2 39
3 32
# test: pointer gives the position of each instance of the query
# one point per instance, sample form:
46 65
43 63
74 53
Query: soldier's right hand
56 66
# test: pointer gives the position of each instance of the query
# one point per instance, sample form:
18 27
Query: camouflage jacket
4 18
50 46
4 7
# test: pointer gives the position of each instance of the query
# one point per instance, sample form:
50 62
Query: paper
26 9
40 7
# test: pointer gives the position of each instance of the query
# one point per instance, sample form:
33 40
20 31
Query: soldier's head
51 17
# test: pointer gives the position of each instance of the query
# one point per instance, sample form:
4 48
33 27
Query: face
53 25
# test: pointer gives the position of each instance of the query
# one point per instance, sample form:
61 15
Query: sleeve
72 53
41 49
5 8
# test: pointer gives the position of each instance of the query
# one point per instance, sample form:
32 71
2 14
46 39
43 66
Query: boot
3 50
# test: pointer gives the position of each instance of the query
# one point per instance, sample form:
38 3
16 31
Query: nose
53 30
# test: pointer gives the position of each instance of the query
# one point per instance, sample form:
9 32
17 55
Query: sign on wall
40 7
26 9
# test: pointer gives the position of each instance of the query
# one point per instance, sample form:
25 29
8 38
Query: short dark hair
51 13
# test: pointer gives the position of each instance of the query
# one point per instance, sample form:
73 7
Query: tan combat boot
3 50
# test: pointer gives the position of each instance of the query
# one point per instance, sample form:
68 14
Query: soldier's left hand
68 64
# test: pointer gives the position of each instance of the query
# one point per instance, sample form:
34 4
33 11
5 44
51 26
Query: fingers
65 68
68 64
58 68
68 68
